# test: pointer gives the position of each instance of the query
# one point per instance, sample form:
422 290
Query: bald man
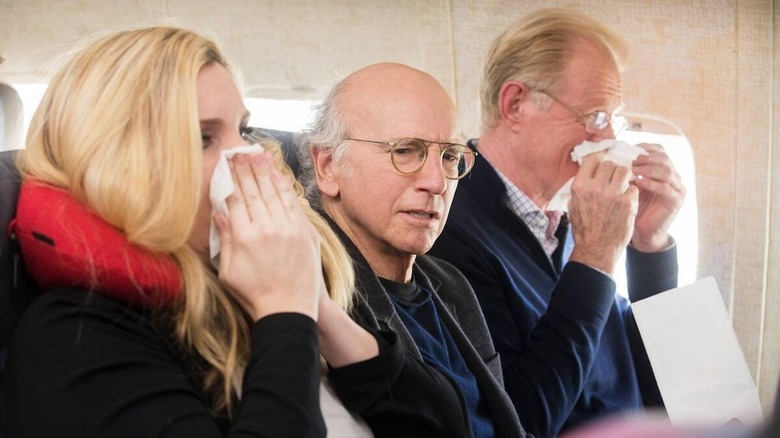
382 161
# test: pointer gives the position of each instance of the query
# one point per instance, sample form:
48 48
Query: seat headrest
287 140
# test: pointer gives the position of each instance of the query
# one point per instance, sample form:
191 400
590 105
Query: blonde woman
135 334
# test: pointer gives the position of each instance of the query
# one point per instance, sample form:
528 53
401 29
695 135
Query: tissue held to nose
619 152
221 187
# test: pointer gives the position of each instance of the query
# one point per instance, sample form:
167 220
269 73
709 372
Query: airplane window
685 230
31 95
279 114
11 118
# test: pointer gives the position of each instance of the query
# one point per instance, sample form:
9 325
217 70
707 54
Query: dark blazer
458 308
16 286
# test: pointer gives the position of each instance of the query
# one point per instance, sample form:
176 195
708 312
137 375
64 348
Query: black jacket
435 404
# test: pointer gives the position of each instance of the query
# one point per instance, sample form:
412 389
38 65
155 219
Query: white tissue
221 187
619 152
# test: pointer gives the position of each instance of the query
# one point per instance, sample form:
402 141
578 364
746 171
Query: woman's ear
510 102
323 171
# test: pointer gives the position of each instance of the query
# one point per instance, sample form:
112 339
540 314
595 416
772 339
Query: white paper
220 188
341 423
697 361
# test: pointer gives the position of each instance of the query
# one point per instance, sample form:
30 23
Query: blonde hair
535 50
118 129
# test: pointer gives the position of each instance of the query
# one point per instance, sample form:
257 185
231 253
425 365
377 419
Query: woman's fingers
268 195
236 202
270 258
269 205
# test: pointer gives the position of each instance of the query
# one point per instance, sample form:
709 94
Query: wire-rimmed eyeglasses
595 122
408 156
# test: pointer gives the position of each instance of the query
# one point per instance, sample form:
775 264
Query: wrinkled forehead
394 117
592 80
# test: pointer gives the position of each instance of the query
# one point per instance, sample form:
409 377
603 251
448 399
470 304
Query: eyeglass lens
409 154
599 121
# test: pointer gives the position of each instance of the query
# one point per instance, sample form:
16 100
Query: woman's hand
270 256
342 341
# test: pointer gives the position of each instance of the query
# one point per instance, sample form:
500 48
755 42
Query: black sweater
83 365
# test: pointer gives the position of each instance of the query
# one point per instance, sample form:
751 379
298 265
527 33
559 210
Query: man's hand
602 209
661 196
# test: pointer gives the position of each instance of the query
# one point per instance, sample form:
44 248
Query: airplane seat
287 140
16 286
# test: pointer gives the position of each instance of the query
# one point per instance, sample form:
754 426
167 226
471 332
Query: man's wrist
657 243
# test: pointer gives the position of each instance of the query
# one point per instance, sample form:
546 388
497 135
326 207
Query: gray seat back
16 288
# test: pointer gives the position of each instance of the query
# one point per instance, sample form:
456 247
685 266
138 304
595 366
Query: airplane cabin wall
705 65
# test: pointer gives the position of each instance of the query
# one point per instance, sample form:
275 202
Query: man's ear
323 171
510 102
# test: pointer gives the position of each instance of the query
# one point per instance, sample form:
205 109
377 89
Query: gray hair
326 132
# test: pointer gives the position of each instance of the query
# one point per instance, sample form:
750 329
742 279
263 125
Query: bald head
390 100
380 102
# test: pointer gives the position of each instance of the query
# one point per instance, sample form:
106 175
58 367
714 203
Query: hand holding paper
265 229
602 210
619 152
221 187
661 195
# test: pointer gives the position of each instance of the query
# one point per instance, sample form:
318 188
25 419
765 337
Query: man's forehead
592 83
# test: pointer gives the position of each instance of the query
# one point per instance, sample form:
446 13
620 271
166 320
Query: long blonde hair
118 129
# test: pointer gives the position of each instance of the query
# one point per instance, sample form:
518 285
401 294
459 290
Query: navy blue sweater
569 347
416 309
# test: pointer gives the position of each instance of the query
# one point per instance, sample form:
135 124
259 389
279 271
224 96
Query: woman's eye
206 140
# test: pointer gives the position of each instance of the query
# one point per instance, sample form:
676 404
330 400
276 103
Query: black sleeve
83 365
648 274
399 395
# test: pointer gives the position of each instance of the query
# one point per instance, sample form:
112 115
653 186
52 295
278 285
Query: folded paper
696 358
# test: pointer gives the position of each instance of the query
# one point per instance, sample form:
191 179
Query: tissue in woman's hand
619 152
221 187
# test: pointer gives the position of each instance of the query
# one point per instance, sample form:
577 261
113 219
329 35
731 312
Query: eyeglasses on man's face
408 156
595 122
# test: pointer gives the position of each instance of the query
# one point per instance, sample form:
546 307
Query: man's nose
431 176
605 134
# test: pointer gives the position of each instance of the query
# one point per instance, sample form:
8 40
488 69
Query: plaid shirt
542 225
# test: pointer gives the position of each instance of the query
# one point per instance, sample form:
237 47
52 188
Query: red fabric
64 244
